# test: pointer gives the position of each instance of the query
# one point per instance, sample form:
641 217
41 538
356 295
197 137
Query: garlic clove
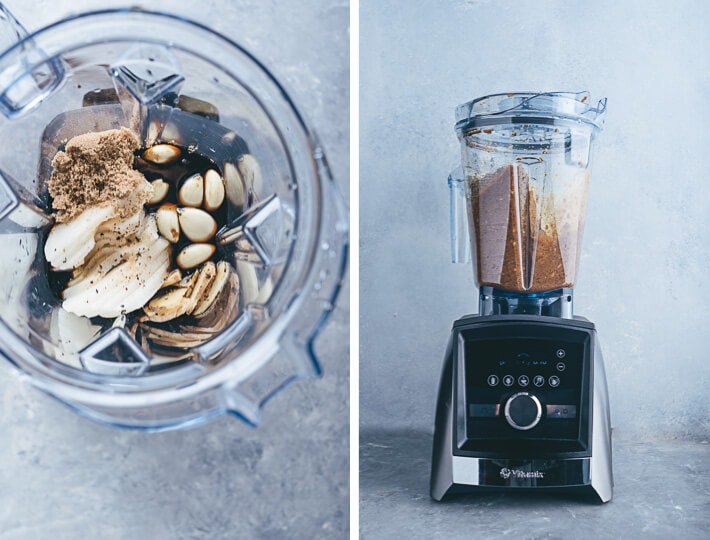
197 224
160 191
162 154
234 184
214 191
192 191
194 255
166 218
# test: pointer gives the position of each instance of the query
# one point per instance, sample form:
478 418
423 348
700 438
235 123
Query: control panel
525 387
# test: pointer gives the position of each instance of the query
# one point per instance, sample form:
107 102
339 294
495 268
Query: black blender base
582 493
522 407
442 490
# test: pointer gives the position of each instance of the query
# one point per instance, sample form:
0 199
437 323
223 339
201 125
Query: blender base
522 406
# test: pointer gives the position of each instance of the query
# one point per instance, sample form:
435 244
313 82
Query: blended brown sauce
517 241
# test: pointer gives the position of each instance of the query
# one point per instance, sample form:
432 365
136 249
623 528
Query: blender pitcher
526 161
283 238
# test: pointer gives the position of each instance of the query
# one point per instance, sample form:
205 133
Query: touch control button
493 380
561 353
523 380
484 410
538 380
554 381
508 380
523 411
561 411
561 366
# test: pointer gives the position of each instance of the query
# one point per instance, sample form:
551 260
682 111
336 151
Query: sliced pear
121 280
124 288
69 243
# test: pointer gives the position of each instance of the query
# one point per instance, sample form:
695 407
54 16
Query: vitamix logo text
517 473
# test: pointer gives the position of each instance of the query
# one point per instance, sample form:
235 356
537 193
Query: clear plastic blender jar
519 201
284 236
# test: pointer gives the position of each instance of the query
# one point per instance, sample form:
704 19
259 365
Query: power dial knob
523 411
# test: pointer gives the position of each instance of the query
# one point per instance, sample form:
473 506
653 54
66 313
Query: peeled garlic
162 154
192 191
197 224
194 255
166 218
248 280
214 191
234 184
160 191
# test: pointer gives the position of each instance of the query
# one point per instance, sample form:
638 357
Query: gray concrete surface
662 491
63 477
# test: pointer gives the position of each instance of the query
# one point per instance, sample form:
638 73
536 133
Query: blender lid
530 107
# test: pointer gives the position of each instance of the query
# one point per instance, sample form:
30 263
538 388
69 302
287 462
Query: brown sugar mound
96 169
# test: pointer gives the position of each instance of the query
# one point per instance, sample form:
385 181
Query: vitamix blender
523 398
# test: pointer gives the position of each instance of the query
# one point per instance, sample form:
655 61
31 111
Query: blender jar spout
27 74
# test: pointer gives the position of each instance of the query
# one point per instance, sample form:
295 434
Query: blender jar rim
552 108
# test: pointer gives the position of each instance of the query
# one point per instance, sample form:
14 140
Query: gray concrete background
63 477
646 249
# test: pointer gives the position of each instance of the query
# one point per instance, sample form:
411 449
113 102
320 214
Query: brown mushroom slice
167 306
221 279
172 303
202 286
224 309
173 278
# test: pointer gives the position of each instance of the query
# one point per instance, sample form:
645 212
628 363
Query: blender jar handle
460 244
27 75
